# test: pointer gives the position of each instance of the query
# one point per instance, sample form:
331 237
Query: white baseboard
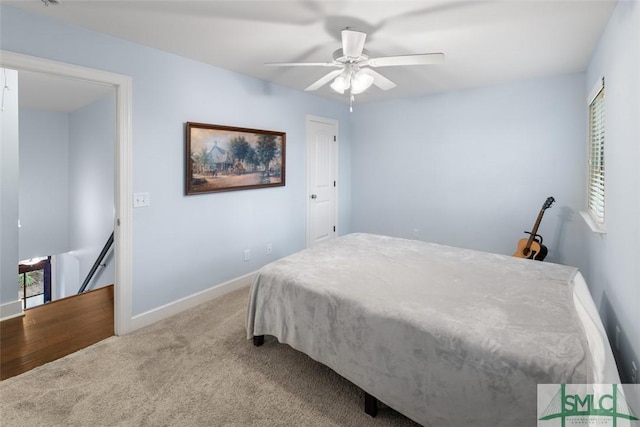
10 310
178 306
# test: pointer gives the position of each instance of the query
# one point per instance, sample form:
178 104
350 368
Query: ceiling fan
354 72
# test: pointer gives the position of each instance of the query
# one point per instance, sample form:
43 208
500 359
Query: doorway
123 167
66 182
322 179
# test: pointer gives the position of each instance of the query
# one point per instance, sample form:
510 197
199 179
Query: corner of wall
10 310
175 307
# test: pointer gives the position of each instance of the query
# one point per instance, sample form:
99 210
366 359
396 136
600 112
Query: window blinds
596 157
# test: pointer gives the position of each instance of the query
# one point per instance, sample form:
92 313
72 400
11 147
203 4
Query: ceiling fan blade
378 79
301 64
353 43
324 80
418 59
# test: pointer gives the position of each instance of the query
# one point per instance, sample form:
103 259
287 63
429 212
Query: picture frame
226 158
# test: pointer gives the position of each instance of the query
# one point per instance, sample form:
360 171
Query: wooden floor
51 331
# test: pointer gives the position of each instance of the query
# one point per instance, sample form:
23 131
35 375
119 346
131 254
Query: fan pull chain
351 99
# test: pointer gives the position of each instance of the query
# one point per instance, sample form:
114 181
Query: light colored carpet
194 369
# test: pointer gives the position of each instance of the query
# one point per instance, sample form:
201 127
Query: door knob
313 196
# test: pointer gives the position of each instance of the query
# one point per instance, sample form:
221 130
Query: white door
322 166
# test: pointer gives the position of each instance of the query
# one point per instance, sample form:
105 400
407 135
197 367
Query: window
596 196
34 281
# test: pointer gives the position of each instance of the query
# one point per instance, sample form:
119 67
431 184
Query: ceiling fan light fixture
360 82
354 69
338 85
342 82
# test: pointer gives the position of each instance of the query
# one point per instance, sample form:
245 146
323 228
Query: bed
446 336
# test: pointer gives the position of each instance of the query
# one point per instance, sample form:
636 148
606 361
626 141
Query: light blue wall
92 136
473 168
613 267
9 178
182 245
44 183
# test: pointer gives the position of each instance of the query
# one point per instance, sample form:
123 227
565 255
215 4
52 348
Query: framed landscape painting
225 158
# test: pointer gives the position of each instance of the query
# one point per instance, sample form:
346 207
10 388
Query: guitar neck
534 231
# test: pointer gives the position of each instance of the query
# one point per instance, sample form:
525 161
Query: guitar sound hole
525 251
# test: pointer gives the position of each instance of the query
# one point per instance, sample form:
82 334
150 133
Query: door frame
123 238
336 157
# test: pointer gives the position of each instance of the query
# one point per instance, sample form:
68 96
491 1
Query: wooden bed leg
258 340
370 405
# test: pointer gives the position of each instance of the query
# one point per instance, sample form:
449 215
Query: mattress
605 370
446 336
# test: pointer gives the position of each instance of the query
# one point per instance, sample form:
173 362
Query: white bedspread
446 336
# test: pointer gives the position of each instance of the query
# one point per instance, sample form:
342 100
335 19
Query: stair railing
96 264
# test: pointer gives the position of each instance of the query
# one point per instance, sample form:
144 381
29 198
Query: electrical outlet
141 200
634 373
247 255
617 338
269 248
416 232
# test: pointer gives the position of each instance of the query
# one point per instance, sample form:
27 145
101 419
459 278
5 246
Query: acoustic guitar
532 248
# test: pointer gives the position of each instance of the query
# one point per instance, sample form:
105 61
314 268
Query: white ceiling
51 93
485 42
